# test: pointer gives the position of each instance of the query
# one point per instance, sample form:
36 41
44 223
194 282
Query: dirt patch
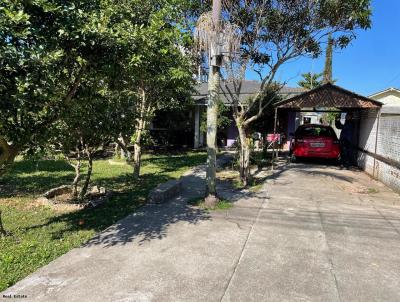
62 200
228 175
357 189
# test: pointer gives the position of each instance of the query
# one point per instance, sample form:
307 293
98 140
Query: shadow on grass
147 223
173 162
35 177
129 195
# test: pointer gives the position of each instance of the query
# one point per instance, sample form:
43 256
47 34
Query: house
229 135
379 153
390 97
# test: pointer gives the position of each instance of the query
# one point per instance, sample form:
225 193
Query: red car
314 140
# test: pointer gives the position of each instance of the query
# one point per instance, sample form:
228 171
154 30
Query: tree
158 72
95 119
310 80
328 61
3 231
211 32
275 32
46 48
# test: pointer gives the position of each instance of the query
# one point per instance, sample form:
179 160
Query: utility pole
215 60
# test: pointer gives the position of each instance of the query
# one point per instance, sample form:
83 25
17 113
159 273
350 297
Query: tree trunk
77 168
137 158
117 151
123 146
2 229
212 109
88 175
327 77
145 109
8 153
212 116
244 166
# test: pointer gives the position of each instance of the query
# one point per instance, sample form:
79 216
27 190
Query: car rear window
315 131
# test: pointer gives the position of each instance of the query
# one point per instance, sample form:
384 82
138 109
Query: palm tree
211 33
310 80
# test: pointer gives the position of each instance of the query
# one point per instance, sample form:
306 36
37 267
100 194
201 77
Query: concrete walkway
314 233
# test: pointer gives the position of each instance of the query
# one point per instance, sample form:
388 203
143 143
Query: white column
201 134
196 126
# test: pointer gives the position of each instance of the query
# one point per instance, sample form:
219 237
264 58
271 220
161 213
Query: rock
94 203
58 191
165 191
94 190
97 190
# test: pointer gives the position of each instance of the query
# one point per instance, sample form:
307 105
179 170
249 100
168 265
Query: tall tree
212 107
211 33
310 80
275 32
328 61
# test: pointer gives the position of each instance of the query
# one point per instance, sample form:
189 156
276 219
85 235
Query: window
315 131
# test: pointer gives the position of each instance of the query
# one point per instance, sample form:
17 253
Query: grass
221 205
256 187
233 178
40 233
373 191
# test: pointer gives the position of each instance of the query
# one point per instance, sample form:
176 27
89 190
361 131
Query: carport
326 98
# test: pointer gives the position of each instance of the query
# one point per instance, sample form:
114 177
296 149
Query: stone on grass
165 191
58 191
97 190
97 202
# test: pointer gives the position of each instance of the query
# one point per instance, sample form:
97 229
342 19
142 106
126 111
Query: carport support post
196 127
274 143
378 117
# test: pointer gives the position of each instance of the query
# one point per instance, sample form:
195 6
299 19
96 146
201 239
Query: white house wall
384 166
389 98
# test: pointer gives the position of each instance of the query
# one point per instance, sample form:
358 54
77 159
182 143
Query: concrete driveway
313 233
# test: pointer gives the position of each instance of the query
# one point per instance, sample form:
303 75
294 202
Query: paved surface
314 233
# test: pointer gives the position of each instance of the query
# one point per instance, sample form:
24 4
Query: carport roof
329 95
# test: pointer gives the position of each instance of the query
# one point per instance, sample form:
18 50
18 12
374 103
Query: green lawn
221 205
41 234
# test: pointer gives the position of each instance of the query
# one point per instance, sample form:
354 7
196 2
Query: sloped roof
249 88
328 95
390 89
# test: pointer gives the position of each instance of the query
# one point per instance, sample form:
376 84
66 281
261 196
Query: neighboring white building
379 140
389 97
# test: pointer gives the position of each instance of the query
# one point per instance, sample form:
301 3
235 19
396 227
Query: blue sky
371 63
